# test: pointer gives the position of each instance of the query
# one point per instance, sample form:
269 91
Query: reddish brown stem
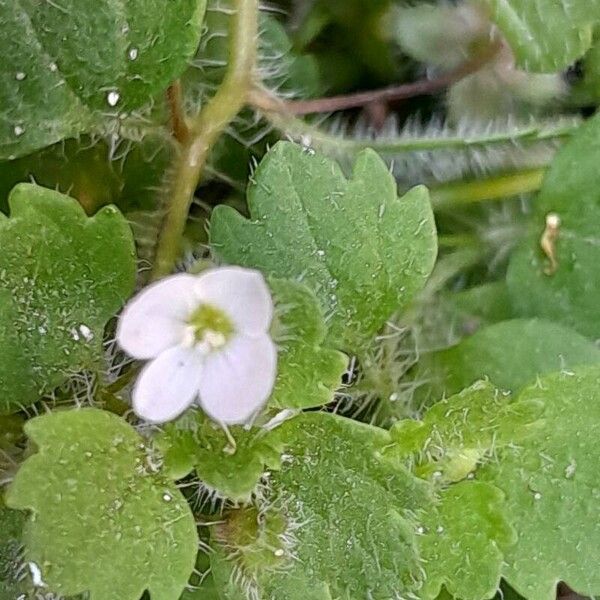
179 125
424 87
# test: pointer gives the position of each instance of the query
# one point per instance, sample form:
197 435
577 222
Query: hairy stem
494 188
342 145
204 131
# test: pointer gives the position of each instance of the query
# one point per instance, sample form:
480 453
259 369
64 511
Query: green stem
205 130
494 188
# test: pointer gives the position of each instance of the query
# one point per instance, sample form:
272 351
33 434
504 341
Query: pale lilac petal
168 385
155 319
237 382
242 294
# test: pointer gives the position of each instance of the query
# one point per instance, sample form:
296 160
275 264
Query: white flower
207 336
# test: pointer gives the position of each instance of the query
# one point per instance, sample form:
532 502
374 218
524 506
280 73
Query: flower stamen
209 328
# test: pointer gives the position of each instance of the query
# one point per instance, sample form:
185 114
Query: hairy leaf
460 432
308 373
115 524
462 542
80 65
361 249
550 481
232 469
63 276
338 520
465 532
546 35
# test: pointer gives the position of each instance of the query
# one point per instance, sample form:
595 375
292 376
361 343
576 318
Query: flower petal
238 381
168 385
242 293
155 319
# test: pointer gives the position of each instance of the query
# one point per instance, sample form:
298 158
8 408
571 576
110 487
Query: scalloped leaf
79 65
463 540
465 533
308 372
511 354
570 190
550 480
115 524
338 524
546 35
232 471
63 276
361 249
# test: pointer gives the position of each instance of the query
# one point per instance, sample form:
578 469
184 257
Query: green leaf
546 35
570 190
338 514
79 66
466 531
460 432
115 524
307 373
202 585
363 251
231 470
551 485
463 541
63 276
511 354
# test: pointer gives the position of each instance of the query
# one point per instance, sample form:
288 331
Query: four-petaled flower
207 336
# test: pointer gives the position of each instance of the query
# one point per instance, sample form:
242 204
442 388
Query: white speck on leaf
86 333
113 98
570 470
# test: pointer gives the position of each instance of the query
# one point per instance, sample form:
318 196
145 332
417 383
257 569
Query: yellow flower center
210 325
